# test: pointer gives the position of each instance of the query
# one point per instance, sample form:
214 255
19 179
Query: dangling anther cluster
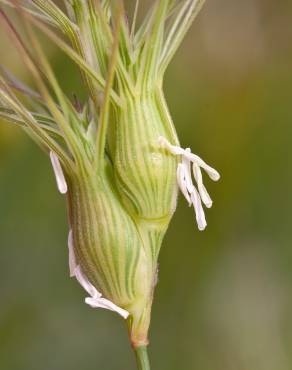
192 164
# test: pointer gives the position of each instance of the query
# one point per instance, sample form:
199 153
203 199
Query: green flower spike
116 156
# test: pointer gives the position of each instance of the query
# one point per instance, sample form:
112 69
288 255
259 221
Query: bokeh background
223 301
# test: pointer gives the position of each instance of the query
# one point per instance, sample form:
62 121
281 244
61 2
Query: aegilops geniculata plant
117 156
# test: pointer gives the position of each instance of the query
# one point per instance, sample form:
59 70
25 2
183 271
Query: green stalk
142 358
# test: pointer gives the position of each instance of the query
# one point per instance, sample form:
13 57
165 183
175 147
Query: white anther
60 178
72 259
106 304
182 182
200 215
188 174
95 300
212 173
184 178
85 283
202 190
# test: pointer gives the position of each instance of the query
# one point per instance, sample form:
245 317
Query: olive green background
223 301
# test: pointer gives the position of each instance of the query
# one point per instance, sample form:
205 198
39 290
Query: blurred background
223 301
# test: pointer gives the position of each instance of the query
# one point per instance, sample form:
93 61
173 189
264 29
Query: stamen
60 178
85 283
187 167
202 190
96 300
72 259
200 214
182 182
184 178
212 173
106 304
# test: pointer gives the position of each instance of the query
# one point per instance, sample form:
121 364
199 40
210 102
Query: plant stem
142 358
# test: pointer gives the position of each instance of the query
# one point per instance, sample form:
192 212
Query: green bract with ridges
116 155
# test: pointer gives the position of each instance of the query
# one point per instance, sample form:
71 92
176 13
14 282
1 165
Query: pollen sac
145 172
